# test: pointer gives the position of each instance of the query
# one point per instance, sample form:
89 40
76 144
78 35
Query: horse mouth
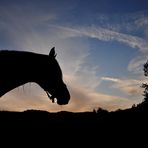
59 102
52 98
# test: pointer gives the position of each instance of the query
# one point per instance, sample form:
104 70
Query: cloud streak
131 87
136 64
107 35
102 34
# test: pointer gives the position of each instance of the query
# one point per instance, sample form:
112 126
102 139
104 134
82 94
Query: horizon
101 47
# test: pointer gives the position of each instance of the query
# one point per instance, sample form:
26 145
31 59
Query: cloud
110 79
136 64
131 87
141 22
129 23
29 97
84 99
146 33
28 27
107 35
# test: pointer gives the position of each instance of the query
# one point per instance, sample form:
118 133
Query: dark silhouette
145 85
115 127
20 67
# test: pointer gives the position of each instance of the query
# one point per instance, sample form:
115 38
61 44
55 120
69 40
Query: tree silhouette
145 85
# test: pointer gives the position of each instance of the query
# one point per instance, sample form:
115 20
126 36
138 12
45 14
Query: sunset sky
101 46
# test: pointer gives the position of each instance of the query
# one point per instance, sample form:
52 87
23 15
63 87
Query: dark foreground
134 118
96 128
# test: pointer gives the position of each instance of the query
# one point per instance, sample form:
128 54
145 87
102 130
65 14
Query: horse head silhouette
20 67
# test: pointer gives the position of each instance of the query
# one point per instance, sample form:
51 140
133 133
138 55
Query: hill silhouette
132 117
95 128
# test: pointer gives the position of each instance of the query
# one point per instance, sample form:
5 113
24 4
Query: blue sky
101 47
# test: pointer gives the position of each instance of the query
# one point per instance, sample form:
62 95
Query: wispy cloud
142 22
108 35
136 64
129 22
131 87
110 79
102 34
83 99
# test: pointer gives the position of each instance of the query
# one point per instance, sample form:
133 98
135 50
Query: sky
101 47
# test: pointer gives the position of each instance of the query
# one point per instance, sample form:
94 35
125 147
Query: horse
20 67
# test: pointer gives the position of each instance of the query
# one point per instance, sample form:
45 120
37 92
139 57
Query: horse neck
20 68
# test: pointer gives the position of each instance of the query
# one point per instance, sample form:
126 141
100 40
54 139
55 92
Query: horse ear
52 53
